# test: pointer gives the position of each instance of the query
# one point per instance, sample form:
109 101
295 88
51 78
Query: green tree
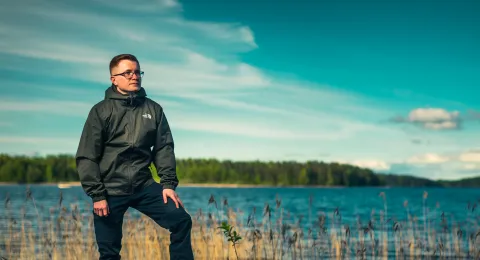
57 168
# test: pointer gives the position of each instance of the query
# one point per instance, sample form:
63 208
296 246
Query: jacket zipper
132 140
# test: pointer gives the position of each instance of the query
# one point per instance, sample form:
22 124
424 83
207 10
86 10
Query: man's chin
134 87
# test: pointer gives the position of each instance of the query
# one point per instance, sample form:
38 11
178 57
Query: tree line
61 168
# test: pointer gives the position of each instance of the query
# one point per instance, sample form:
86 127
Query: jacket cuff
98 197
169 186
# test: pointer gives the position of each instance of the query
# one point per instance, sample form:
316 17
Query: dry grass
68 234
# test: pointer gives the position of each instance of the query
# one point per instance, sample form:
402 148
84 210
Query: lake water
455 207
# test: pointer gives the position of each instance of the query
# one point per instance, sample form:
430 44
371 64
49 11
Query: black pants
108 230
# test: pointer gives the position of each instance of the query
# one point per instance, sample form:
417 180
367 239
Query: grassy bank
66 233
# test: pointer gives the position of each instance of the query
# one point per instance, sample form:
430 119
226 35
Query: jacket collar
130 99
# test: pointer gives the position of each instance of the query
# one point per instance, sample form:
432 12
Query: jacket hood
131 98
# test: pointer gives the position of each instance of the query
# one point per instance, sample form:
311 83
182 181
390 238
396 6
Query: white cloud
433 118
432 115
429 158
441 125
470 157
449 165
376 165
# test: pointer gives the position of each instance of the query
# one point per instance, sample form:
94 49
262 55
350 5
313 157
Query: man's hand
101 208
173 195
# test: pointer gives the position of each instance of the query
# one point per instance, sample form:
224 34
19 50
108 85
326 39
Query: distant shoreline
194 185
227 185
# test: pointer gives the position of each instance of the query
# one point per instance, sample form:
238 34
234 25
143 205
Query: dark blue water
350 202
437 209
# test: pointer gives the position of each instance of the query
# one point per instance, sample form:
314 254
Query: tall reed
67 233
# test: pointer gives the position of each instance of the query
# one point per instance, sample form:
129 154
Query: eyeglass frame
139 73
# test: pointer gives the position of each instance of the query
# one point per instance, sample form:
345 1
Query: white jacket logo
147 115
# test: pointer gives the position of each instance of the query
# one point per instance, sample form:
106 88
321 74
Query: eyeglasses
129 74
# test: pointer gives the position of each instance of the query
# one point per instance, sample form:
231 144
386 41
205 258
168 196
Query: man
123 134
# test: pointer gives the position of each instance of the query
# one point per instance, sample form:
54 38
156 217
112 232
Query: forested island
61 168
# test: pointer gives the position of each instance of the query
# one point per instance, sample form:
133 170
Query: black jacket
121 137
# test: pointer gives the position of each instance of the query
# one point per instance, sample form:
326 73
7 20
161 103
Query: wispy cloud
376 165
34 140
254 128
429 158
6 124
472 156
227 32
184 73
70 108
194 69
447 165
151 6
471 168
27 145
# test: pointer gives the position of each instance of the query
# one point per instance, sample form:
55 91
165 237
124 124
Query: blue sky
389 85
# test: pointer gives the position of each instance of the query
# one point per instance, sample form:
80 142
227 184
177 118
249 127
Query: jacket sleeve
164 155
88 155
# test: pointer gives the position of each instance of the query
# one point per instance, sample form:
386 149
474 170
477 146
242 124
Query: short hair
115 60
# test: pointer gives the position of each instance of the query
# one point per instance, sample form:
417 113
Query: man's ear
112 79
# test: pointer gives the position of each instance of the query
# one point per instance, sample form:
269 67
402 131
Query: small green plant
231 235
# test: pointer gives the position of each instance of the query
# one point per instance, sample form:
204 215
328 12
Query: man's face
126 82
